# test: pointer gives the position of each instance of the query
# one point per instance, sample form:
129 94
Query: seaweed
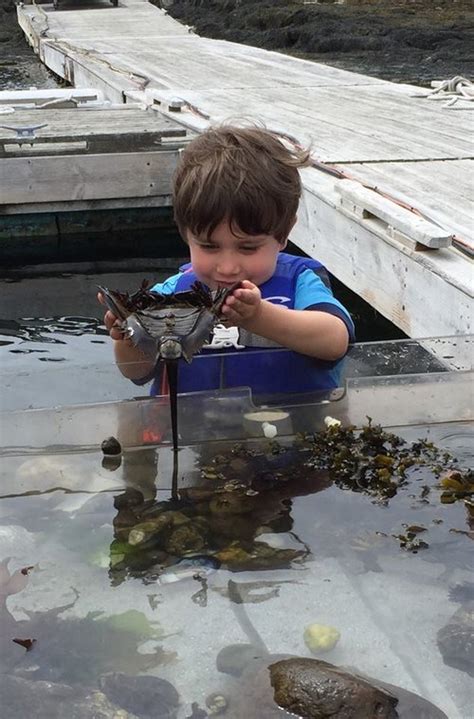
78 649
374 461
456 485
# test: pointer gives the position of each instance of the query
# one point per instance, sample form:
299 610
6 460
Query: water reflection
201 592
237 500
40 329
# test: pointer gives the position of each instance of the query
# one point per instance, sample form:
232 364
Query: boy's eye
207 246
248 248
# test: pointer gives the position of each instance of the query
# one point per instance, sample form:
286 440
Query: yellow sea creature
320 638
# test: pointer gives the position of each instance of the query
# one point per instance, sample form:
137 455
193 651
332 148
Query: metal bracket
24 134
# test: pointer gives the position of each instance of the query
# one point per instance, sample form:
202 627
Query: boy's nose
228 266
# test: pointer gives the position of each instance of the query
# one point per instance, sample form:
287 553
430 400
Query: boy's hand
243 304
110 321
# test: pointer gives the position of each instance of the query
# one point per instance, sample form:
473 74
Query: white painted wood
39 97
424 293
442 190
93 130
367 204
98 22
79 122
86 177
339 123
86 205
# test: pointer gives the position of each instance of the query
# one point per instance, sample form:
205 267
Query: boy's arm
129 359
310 332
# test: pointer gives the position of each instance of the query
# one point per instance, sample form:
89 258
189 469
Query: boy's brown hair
243 174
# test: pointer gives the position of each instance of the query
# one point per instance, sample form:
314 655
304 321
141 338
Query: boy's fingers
110 320
231 318
246 296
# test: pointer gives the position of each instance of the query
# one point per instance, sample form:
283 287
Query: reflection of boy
236 193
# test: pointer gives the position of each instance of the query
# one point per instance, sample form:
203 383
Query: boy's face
225 258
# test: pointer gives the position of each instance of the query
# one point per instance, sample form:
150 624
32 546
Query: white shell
269 430
332 422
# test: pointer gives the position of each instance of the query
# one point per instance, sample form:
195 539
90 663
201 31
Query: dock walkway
379 148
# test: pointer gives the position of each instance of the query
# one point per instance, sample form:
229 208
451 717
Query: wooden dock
387 206
86 155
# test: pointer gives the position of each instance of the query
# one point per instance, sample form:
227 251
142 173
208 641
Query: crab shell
174 326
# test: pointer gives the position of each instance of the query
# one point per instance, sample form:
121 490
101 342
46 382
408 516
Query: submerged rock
235 658
315 689
456 640
186 538
147 697
21 698
111 447
236 558
283 686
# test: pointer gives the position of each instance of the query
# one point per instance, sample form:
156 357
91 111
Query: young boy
235 194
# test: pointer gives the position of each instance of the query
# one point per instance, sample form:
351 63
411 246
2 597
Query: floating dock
386 206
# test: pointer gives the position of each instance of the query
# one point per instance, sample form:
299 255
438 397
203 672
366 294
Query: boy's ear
284 244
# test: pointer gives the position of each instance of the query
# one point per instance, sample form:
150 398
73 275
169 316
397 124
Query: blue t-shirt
312 291
236 357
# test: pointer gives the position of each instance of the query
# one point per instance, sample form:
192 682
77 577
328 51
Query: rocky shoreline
20 68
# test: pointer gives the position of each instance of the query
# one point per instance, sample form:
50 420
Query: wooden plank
98 130
79 123
86 177
342 129
130 142
145 21
343 113
425 294
367 204
86 205
39 97
221 63
62 62
441 190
